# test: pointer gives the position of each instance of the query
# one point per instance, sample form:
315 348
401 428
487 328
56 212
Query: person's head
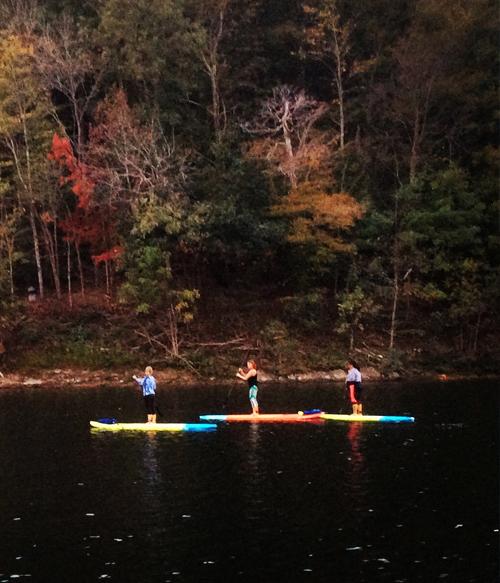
251 364
148 370
351 363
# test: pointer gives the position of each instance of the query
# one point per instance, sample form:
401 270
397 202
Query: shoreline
85 378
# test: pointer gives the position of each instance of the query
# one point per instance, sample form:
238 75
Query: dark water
327 502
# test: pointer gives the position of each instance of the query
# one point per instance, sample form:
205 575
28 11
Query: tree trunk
414 155
50 246
394 308
210 61
106 269
80 268
288 145
395 299
36 247
476 334
70 295
340 87
56 250
173 330
10 256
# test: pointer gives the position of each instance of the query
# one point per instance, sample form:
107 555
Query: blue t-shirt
148 384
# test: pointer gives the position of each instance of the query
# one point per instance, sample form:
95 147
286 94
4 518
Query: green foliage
441 230
79 354
395 362
236 232
152 49
280 348
306 311
197 215
355 309
183 303
147 278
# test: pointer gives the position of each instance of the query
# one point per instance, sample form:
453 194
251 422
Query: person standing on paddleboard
354 389
253 384
148 384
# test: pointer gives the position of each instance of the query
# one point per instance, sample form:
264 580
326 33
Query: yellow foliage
319 217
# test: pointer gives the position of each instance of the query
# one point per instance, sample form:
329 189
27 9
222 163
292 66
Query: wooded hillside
292 179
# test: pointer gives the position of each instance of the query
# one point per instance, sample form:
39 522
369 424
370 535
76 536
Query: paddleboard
369 418
265 417
153 426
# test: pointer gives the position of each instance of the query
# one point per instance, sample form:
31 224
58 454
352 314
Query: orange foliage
318 216
108 255
47 218
78 174
87 223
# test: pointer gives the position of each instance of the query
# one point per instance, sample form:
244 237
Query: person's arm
138 380
245 376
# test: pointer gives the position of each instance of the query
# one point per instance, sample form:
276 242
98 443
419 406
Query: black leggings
149 403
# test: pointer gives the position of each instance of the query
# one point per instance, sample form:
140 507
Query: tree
24 113
328 40
148 289
427 95
287 138
68 66
152 52
211 17
355 308
84 222
296 149
10 215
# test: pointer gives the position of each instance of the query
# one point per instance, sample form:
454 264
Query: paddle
244 361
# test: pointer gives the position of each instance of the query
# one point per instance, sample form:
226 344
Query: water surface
291 502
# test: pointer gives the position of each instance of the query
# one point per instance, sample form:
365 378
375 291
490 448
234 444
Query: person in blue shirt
354 389
148 384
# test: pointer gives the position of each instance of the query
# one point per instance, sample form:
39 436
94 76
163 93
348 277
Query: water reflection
357 457
355 475
152 470
253 473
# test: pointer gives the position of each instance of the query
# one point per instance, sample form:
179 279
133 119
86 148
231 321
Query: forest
187 182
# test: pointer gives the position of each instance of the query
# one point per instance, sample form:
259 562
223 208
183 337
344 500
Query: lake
262 502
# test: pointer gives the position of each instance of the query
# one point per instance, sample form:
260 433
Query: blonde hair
149 370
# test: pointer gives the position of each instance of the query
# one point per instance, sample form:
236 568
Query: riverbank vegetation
189 182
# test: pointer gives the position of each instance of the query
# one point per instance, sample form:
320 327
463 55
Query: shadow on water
261 502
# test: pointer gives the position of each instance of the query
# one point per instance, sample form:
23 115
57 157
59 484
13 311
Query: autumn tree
83 222
24 129
286 136
328 40
289 140
69 67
